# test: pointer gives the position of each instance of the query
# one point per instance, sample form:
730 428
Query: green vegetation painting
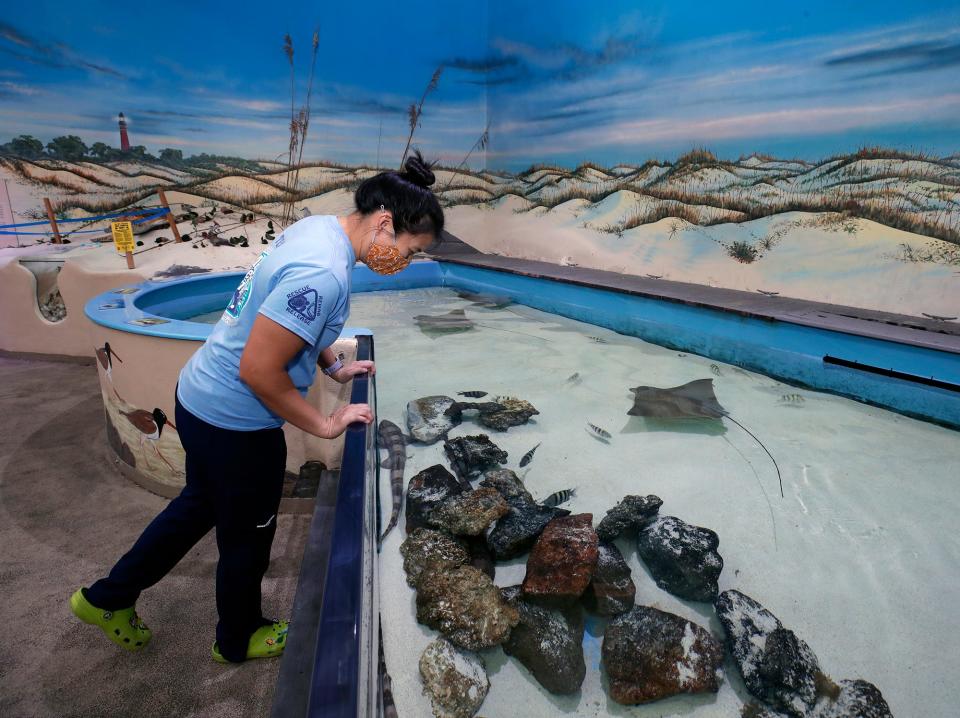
805 151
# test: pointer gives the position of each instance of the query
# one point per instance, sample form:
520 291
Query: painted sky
557 82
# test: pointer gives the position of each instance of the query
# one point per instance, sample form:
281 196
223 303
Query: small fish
574 378
528 457
681 354
769 294
473 393
386 684
938 317
559 497
791 399
716 370
597 431
598 340
393 440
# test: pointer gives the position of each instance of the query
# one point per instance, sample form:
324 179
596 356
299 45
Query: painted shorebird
106 355
150 425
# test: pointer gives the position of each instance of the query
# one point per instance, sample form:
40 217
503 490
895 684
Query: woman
235 393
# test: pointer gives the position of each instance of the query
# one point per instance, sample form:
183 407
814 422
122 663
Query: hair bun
418 171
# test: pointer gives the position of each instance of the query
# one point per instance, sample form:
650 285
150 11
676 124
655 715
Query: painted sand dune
877 229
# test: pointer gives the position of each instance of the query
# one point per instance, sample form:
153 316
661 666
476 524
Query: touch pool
855 557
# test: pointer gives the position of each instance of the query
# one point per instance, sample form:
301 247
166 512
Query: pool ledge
899 328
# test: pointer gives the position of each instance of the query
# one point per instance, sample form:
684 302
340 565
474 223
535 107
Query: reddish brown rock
562 561
650 654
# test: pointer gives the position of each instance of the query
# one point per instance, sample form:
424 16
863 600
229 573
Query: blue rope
149 214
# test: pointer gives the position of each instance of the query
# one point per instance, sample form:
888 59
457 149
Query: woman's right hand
339 420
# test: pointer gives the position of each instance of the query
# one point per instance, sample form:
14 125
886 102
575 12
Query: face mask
385 260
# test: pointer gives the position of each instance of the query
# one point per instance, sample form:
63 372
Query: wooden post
130 264
170 218
53 221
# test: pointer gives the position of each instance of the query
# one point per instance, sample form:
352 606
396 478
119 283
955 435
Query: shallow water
859 557
207 318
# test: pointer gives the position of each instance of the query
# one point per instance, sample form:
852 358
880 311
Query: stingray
488 301
693 400
455 321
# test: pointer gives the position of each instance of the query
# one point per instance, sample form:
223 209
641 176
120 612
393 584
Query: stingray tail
779 477
511 331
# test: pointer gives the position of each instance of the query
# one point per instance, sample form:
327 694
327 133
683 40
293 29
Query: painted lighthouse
124 140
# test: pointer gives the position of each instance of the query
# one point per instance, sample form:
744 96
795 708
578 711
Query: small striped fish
716 370
528 457
792 399
597 340
597 431
473 393
574 378
559 497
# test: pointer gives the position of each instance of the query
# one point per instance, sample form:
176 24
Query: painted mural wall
805 151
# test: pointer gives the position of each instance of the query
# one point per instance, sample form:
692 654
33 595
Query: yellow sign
122 236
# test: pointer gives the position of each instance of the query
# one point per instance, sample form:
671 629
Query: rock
428 418
456 681
465 605
682 558
747 625
562 561
428 550
507 483
611 590
480 556
52 308
513 412
777 666
548 642
631 514
650 654
470 512
755 710
856 699
517 531
426 490
470 455
789 672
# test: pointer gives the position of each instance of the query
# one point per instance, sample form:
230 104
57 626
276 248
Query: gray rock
430 418
611 590
466 607
427 490
456 681
631 514
682 558
469 513
650 654
507 483
747 625
515 533
471 455
428 550
856 699
789 672
512 412
548 642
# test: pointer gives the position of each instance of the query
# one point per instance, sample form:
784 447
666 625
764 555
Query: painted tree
67 147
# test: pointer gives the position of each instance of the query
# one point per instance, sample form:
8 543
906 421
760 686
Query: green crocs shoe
266 642
123 627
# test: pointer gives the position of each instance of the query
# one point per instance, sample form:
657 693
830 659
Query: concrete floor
65 516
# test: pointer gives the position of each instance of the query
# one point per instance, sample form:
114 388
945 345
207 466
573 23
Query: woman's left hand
348 371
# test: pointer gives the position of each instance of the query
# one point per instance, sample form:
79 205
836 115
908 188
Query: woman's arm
263 367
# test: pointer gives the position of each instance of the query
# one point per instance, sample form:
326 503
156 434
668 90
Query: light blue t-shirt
302 283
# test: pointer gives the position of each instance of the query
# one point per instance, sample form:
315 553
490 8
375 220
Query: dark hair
407 195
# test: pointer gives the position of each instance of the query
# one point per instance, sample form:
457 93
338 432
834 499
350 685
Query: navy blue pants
234 481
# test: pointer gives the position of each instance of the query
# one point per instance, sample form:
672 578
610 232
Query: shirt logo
304 304
242 293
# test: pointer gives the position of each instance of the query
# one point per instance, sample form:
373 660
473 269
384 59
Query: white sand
859 558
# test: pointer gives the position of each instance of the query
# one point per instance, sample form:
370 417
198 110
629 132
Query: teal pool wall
789 352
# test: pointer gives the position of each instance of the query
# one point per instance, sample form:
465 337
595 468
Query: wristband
334 368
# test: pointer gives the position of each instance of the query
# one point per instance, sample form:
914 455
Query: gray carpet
65 517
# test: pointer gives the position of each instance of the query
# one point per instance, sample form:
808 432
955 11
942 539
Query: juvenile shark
393 440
